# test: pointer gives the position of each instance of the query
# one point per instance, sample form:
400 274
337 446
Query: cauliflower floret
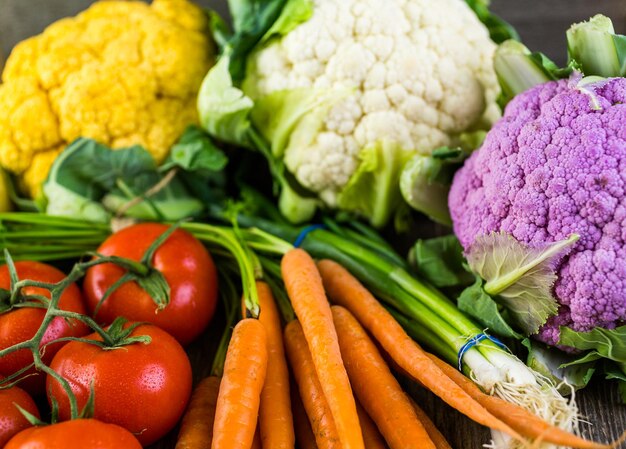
555 165
120 72
419 73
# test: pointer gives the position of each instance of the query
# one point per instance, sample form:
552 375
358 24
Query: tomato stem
34 344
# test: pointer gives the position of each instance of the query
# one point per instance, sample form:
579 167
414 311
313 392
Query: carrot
344 289
517 417
306 292
376 388
196 428
240 390
371 435
275 419
256 442
315 404
434 433
304 433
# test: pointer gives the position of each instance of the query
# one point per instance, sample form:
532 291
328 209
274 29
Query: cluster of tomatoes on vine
104 343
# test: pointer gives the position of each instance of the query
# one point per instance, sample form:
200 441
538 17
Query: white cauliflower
377 81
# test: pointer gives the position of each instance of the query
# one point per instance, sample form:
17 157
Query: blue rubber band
469 344
305 232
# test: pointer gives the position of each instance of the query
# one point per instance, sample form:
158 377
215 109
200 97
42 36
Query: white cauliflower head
414 74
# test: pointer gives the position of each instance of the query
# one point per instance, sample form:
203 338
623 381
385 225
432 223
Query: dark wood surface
542 24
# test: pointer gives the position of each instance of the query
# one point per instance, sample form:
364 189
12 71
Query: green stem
501 283
89 322
429 339
273 277
53 311
226 238
50 221
230 299
596 46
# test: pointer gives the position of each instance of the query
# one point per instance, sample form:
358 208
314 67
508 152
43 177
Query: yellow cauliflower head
120 72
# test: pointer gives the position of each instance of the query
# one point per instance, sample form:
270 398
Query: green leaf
293 14
521 276
608 343
295 208
440 261
557 365
89 168
499 30
478 304
223 108
425 184
256 21
171 203
290 119
587 357
195 151
372 191
88 180
251 20
613 371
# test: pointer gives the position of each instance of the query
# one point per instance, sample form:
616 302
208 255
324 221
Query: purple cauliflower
554 165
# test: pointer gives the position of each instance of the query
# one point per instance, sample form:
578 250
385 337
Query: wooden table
542 24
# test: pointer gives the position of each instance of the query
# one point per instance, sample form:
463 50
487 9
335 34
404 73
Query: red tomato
76 434
185 264
11 419
141 387
20 324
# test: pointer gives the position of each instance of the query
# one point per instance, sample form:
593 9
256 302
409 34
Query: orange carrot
376 388
517 417
304 433
313 399
306 292
275 419
344 289
434 433
256 442
240 390
196 428
371 435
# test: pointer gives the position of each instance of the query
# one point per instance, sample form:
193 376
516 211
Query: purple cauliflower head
554 165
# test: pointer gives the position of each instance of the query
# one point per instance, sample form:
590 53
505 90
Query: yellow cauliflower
120 72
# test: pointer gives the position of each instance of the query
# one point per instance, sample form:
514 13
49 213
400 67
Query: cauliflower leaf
499 29
479 305
556 365
223 108
425 184
606 343
373 189
520 276
255 21
324 82
440 261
